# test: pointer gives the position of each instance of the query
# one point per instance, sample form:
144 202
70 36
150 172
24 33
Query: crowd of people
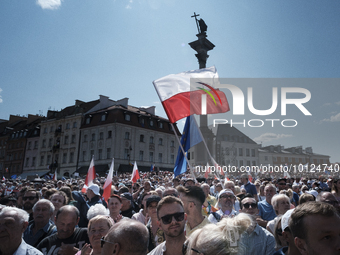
162 214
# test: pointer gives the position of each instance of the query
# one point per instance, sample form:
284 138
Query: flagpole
185 156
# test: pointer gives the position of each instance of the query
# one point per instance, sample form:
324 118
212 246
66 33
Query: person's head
42 211
151 206
315 227
306 197
95 210
30 197
97 228
304 188
280 241
249 205
59 199
171 216
244 178
262 190
92 191
193 198
222 238
68 192
230 185
280 203
66 220
13 222
226 200
206 189
189 182
282 184
114 204
147 186
269 192
329 198
287 235
119 241
170 192
218 187
336 185
126 201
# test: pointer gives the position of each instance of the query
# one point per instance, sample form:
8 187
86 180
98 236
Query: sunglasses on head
167 219
29 198
247 205
103 241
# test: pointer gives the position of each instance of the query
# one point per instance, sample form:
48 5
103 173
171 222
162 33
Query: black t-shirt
51 244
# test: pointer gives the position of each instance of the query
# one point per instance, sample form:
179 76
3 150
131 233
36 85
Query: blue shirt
33 239
266 210
250 188
259 242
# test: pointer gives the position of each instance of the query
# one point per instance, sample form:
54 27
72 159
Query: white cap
313 192
285 219
95 189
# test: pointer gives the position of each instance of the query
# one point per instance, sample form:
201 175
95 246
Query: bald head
120 241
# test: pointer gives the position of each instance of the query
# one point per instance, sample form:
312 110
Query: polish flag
54 178
135 174
91 174
108 183
181 94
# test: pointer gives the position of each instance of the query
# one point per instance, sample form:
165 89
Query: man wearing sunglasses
31 196
256 239
171 219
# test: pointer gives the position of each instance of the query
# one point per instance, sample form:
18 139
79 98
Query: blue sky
55 51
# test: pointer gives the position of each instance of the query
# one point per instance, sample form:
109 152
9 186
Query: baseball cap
225 191
95 189
152 199
126 195
285 219
313 192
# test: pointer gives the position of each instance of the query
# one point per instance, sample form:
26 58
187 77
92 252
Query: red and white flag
91 174
108 183
135 173
182 97
207 171
54 178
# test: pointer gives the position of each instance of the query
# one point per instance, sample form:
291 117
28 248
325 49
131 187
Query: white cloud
267 137
334 118
1 96
129 5
49 4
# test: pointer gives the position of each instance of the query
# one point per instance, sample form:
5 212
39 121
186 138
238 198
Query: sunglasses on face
247 205
230 197
167 219
103 241
29 198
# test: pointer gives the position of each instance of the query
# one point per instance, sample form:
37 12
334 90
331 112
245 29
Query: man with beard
226 200
30 197
68 239
171 219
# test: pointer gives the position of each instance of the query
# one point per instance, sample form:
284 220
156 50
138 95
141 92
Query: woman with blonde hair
222 238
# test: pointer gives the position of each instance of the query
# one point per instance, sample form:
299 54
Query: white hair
278 197
97 209
222 238
46 201
21 214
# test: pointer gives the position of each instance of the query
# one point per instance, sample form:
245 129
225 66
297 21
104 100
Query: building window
253 152
42 160
248 162
71 157
151 123
92 153
127 117
44 143
241 163
172 144
36 145
73 139
160 125
141 138
64 157
74 124
127 135
100 154
67 125
29 145
93 137
160 141
151 156
141 121
103 118
290 159
160 157
101 136
240 152
45 130
247 152
66 139
109 134
266 158
48 159
172 159
84 155
108 153
27 162
141 155
151 139
50 141
51 129
88 120
85 138
126 154
254 163
33 161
